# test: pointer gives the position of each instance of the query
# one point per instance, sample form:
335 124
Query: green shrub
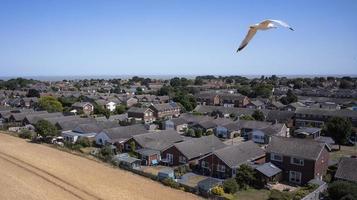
83 142
340 189
230 186
171 183
27 134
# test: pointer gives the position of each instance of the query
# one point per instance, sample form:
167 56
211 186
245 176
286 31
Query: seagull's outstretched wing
281 23
247 38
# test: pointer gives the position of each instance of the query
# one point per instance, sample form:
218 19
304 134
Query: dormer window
297 161
276 157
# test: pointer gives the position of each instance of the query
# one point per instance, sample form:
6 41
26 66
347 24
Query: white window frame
294 175
182 159
170 157
301 163
204 164
272 157
221 168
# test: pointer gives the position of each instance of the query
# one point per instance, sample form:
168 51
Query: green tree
339 129
245 177
45 128
190 132
246 117
230 186
106 153
50 104
289 98
340 190
263 90
258 115
139 91
198 133
99 110
120 109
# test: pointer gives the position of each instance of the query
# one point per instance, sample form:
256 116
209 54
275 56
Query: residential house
166 110
307 132
293 106
119 135
33 118
142 114
255 104
149 146
233 100
346 170
29 102
318 117
191 150
85 107
178 124
224 163
274 105
264 135
208 98
300 160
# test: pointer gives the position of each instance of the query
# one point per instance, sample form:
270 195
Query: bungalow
117 136
256 104
300 160
263 135
307 132
149 146
346 170
33 118
178 124
274 105
191 150
224 163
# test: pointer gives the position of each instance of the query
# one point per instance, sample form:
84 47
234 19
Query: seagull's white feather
252 31
281 23
264 25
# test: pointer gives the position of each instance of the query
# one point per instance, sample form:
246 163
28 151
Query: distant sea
59 78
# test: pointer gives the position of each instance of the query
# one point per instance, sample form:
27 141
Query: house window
276 157
221 168
295 177
297 161
127 147
182 159
204 164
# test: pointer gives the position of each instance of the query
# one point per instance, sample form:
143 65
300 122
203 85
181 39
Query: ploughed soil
34 171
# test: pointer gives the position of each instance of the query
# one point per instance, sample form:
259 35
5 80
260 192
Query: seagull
264 25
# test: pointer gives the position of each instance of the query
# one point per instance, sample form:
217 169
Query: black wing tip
241 48
292 29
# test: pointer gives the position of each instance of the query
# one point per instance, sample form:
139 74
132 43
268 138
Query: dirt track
32 171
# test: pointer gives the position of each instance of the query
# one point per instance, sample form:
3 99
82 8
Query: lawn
345 151
250 194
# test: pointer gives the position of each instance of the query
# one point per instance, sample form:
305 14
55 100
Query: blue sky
132 37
